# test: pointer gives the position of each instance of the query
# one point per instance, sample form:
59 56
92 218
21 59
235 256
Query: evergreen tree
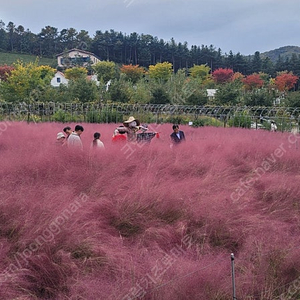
256 63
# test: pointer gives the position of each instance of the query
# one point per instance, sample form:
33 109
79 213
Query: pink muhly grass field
148 222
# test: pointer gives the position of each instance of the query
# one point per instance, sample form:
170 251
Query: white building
211 93
93 78
58 79
76 57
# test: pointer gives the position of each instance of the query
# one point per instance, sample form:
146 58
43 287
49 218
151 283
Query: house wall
77 53
59 79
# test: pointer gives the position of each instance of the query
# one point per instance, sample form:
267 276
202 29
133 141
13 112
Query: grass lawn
10 58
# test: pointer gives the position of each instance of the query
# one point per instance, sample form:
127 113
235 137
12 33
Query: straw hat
131 119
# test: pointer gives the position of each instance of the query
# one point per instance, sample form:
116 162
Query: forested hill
142 49
282 52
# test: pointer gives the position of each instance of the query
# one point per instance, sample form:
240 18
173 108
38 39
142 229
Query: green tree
55 94
83 40
230 60
118 92
258 97
177 88
58 94
144 49
240 64
227 94
295 64
140 92
3 36
293 99
256 63
159 96
69 37
240 119
105 70
11 33
280 64
83 90
267 66
199 97
48 40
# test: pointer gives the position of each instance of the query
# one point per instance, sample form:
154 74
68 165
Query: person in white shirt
74 140
273 126
97 143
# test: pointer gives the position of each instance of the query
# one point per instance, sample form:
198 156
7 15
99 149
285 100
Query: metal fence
286 118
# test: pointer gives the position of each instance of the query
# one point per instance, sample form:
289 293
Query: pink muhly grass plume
98 225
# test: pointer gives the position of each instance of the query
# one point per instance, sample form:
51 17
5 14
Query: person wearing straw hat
132 126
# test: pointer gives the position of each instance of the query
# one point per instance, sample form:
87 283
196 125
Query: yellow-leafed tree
161 71
25 80
76 73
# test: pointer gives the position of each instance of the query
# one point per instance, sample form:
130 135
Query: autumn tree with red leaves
5 71
132 72
285 81
222 75
253 81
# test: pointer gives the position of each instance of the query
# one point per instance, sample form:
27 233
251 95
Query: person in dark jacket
177 136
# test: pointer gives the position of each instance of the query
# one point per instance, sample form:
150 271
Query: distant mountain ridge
283 52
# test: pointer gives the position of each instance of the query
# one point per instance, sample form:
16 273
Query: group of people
72 138
130 131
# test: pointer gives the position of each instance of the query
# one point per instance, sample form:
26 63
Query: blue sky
243 26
